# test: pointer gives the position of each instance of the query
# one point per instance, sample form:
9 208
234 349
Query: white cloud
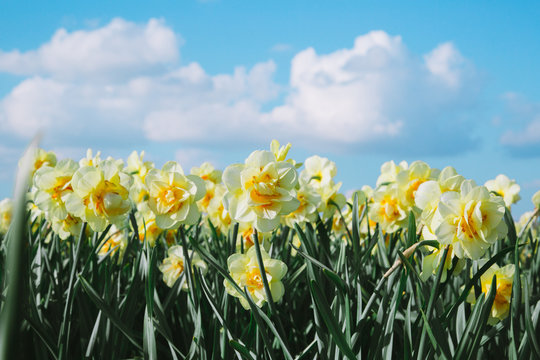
123 84
528 136
119 48
377 93
522 134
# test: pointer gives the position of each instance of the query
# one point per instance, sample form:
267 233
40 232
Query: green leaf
110 314
330 320
529 327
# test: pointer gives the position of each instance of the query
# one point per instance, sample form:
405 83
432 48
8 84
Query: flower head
173 265
100 195
244 269
53 184
173 195
260 190
470 220
506 188
501 303
6 212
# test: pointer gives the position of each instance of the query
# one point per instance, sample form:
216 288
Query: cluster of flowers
260 195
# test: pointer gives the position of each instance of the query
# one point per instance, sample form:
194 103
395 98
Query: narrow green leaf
110 314
529 327
330 320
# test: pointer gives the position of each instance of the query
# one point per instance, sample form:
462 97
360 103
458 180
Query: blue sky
358 82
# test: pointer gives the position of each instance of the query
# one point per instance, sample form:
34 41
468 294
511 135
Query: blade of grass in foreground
16 277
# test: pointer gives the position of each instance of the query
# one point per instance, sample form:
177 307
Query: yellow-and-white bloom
70 225
410 179
54 183
428 195
260 190
42 158
147 227
389 172
246 233
6 213
387 209
115 243
318 171
211 177
173 265
100 195
207 172
504 282
173 195
90 159
138 168
310 201
506 188
218 215
432 261
536 199
244 269
470 220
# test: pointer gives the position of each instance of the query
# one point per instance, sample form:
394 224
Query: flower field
113 259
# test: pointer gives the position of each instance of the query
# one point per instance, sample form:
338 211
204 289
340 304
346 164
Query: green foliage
340 299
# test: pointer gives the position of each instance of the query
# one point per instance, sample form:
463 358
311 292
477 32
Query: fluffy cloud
123 83
119 48
524 115
378 95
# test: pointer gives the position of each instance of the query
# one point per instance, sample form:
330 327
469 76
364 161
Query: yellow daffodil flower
501 303
6 212
261 190
470 220
173 265
244 269
173 195
54 183
506 188
100 195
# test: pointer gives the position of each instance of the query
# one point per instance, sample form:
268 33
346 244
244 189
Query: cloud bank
125 83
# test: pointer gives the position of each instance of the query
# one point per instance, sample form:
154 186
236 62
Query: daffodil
428 195
410 179
100 195
309 200
470 220
536 199
506 188
66 227
432 261
6 212
319 173
53 184
90 159
387 210
211 177
389 172
218 215
504 282
173 265
207 172
244 270
43 158
173 195
138 168
114 244
147 227
246 233
261 190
